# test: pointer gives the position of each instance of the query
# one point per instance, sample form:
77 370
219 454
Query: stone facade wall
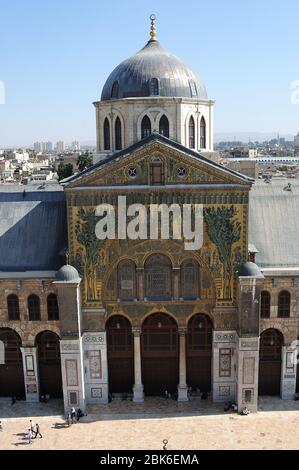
28 330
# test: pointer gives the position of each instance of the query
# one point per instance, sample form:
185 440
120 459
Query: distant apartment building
296 143
75 145
60 146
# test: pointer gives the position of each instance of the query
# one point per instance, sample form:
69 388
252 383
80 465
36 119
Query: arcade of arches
160 356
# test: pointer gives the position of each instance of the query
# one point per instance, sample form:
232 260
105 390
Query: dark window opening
191 133
13 307
164 126
202 133
106 135
284 304
146 128
34 308
265 304
118 143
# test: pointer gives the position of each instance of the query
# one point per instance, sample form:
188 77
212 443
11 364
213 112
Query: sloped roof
33 228
274 222
164 140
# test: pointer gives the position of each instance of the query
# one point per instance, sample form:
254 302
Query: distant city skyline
54 70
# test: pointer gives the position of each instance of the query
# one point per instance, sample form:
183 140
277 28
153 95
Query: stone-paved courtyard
126 425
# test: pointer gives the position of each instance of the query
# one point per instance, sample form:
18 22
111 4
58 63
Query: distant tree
84 160
64 170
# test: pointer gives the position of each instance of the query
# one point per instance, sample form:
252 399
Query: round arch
199 352
49 364
270 359
11 372
159 354
120 351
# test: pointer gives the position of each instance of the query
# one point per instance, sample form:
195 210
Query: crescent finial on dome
153 32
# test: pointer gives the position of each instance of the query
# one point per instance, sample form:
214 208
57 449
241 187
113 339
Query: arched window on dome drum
154 87
164 126
146 128
189 280
106 135
158 279
284 304
114 90
34 308
203 133
126 280
52 305
13 307
265 304
191 133
118 145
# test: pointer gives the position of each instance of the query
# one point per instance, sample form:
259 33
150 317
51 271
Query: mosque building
87 320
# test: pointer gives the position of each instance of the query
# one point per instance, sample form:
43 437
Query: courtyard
195 425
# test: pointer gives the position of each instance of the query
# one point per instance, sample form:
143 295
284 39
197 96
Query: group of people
74 416
33 433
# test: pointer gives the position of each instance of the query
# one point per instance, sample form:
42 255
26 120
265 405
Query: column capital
182 330
140 269
136 331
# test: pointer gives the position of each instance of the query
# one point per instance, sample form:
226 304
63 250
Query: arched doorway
49 364
199 353
120 355
160 355
271 343
11 373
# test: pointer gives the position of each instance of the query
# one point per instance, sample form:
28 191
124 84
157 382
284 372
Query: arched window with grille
34 308
114 90
52 306
118 143
13 307
126 280
146 127
265 304
154 87
189 280
164 126
158 278
202 133
284 304
191 133
106 134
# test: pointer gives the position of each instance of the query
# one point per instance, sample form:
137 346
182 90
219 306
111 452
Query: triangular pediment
131 167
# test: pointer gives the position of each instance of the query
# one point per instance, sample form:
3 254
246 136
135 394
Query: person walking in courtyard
31 426
37 431
29 436
1 428
73 415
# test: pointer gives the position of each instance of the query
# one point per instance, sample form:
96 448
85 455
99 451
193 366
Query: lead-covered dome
153 71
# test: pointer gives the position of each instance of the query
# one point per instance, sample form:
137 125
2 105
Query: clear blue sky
55 57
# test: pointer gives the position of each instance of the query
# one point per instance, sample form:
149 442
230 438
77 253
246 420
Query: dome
153 71
250 270
67 274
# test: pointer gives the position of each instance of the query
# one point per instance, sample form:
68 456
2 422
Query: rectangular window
73 398
156 173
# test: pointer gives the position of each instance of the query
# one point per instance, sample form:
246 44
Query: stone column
72 373
31 378
182 387
176 283
138 396
95 367
140 283
289 371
